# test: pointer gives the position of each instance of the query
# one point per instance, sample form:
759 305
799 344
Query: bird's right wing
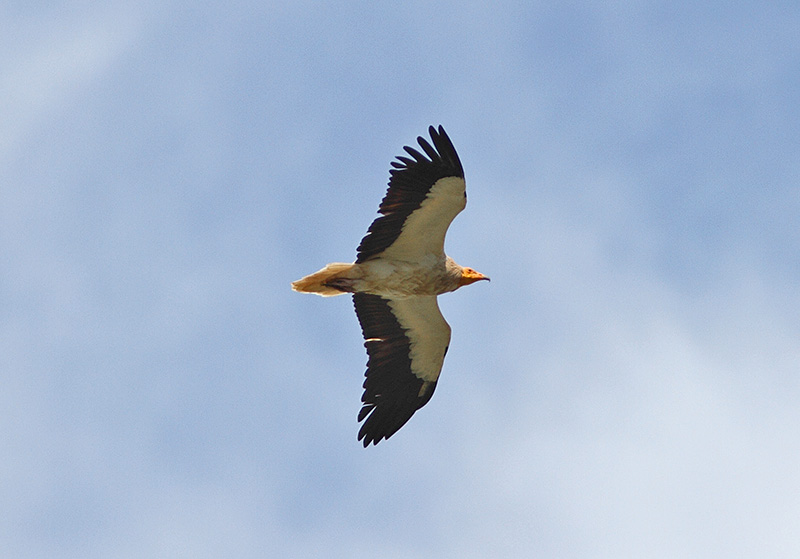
425 194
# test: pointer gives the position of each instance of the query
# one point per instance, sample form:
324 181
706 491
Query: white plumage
400 269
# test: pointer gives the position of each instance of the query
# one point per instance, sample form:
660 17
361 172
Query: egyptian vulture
399 270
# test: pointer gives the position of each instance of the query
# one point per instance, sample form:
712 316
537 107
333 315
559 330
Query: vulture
399 271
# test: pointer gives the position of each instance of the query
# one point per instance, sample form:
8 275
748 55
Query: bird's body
386 277
400 269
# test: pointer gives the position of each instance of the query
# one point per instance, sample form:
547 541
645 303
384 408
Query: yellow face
468 276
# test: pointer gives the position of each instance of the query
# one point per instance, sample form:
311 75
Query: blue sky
626 386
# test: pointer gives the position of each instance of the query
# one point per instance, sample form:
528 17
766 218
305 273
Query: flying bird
400 269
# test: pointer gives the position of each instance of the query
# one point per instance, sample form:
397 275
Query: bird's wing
425 194
406 340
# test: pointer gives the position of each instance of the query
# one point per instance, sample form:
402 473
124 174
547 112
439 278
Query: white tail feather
317 282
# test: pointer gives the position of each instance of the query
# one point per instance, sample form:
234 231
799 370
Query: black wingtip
410 179
384 419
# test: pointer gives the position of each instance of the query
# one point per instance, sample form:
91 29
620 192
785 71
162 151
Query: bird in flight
400 269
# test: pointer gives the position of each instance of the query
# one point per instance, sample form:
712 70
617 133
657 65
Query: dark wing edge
392 392
410 181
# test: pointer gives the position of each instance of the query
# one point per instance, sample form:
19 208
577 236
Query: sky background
626 386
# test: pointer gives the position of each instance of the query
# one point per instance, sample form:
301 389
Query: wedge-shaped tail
327 282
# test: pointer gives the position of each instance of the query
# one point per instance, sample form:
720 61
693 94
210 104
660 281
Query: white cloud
624 386
47 62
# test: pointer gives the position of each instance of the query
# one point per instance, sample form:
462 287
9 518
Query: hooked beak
468 276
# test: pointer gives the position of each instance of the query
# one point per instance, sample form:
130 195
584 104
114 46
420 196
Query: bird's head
468 276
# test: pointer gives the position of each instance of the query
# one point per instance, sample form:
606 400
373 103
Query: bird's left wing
406 340
425 194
